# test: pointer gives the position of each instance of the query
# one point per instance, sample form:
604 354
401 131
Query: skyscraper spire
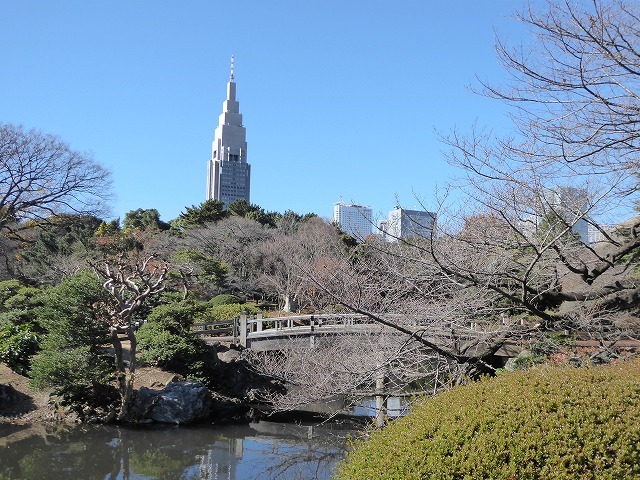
231 76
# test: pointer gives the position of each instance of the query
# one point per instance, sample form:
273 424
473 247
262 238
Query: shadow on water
263 450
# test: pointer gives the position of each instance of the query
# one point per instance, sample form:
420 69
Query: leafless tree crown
41 176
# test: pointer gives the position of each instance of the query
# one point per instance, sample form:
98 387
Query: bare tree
575 85
40 176
572 166
510 255
287 250
130 284
347 366
400 287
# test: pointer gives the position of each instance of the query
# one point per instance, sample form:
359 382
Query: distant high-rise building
572 204
228 173
567 205
354 220
403 224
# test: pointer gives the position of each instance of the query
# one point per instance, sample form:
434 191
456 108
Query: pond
262 450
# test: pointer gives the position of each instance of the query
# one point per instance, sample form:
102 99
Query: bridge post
380 398
243 329
259 322
312 337
235 331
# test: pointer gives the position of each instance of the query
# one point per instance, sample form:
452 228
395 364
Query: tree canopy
41 176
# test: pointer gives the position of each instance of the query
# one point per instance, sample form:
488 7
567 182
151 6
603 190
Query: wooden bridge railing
239 329
247 330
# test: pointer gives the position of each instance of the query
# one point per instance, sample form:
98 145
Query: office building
403 224
228 173
354 220
566 206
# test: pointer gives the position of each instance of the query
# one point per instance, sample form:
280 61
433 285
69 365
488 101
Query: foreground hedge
548 423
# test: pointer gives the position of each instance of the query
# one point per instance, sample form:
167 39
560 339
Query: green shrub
73 358
20 332
17 344
75 373
226 312
224 299
176 317
25 297
169 350
8 288
545 423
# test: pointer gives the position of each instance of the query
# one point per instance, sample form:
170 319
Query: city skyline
334 107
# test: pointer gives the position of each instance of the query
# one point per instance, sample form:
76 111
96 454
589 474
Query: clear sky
340 98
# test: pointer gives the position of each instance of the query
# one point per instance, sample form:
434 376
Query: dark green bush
166 342
176 317
73 358
224 299
20 332
25 297
77 373
545 423
226 312
17 344
8 288
177 352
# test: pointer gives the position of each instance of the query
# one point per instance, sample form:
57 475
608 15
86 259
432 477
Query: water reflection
263 450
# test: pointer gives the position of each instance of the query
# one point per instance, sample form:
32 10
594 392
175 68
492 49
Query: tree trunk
121 374
290 303
127 379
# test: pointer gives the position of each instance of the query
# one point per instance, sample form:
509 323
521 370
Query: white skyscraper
354 220
228 173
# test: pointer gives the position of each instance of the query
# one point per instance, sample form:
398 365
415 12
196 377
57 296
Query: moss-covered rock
546 423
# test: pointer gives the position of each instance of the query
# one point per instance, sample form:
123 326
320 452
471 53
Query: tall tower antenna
231 76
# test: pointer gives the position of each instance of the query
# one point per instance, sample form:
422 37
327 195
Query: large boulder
178 402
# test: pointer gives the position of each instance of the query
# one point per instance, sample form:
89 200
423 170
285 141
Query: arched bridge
266 334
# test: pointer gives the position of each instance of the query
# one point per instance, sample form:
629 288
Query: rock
229 356
178 402
239 380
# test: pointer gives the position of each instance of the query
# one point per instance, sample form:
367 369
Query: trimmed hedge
226 312
178 316
546 423
225 299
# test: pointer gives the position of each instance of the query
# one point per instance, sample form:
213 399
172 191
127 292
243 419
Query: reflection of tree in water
261 451
159 465
38 453
314 462
270 450
151 453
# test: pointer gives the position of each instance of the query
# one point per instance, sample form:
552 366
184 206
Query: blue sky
341 99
